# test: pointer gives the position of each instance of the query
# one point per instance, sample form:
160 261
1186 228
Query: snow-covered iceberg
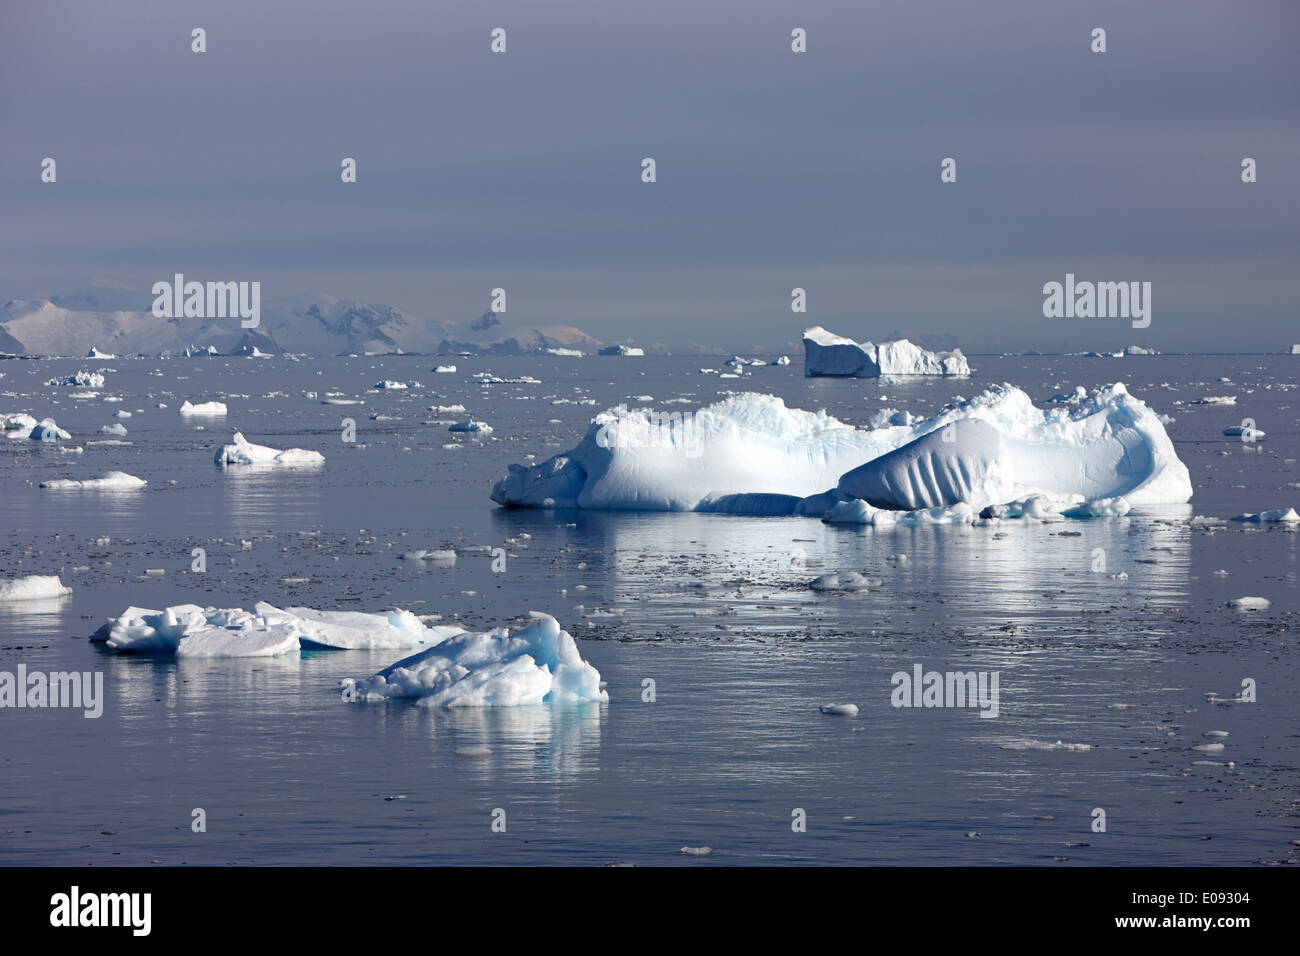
109 481
83 378
203 409
188 630
33 587
828 354
244 452
536 663
750 454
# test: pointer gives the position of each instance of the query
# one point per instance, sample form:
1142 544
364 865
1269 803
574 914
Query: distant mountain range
115 322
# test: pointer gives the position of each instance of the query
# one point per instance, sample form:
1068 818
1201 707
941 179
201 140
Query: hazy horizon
775 170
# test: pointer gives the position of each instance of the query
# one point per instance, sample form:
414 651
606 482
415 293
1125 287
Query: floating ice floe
391 385
783 360
625 350
1276 516
203 409
1216 400
33 587
17 425
1245 432
843 710
828 354
445 369
844 581
538 662
83 378
188 630
48 430
478 428
114 429
750 454
243 452
1249 603
109 481
434 557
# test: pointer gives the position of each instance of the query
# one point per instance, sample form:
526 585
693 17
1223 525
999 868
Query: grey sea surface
1129 675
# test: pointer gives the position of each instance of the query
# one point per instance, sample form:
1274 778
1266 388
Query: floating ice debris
538 662
783 360
82 378
1216 400
19 421
846 710
828 354
445 369
113 429
1209 748
243 452
1099 508
47 430
436 557
1027 744
845 581
447 409
480 428
697 850
390 384
750 454
1279 515
1030 506
33 587
204 409
1244 431
109 481
1250 603
188 630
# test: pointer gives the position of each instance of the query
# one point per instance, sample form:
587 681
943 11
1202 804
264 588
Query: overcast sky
775 169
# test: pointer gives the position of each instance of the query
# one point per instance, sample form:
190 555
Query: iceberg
188 630
750 454
625 350
478 428
536 663
243 452
33 587
205 409
828 354
84 378
109 481
48 430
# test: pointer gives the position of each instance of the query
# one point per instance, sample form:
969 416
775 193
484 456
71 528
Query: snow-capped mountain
117 322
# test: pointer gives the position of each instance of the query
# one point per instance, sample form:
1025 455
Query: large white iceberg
828 354
244 452
750 454
188 630
537 663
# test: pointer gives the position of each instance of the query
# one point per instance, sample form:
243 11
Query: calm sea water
714 609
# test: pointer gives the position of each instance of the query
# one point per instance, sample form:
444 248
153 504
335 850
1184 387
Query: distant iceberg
244 452
828 354
628 350
750 454
203 409
188 630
